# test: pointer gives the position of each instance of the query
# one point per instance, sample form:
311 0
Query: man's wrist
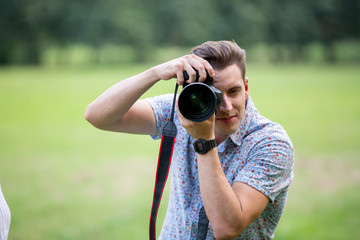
152 74
202 146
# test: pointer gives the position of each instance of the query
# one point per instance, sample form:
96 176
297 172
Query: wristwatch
202 146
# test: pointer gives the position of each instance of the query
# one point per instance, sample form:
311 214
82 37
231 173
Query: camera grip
186 77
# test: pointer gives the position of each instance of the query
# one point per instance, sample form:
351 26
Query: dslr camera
198 101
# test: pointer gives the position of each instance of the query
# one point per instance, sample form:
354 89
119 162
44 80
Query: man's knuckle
188 56
179 65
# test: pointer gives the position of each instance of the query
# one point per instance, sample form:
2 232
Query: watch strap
202 146
210 144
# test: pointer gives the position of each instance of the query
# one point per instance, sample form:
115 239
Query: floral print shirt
259 153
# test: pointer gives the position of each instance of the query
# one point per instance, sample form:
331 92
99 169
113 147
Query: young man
243 182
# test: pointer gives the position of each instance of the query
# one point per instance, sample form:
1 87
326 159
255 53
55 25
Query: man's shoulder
161 105
163 99
263 130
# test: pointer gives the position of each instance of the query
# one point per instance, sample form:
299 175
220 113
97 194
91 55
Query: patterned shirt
259 154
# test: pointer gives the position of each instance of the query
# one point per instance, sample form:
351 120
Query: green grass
64 179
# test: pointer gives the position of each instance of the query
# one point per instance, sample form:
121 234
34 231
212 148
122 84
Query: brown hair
221 54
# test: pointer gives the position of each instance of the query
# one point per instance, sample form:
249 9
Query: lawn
64 179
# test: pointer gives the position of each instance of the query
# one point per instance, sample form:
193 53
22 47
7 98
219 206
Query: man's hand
175 69
204 130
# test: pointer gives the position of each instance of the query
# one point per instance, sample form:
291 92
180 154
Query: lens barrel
198 101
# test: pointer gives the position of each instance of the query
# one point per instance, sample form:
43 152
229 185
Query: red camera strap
164 161
166 149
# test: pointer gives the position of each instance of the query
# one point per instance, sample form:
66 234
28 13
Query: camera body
198 101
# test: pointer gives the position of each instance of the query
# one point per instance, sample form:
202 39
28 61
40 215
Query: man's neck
220 138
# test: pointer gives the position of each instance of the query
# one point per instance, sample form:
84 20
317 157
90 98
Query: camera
198 101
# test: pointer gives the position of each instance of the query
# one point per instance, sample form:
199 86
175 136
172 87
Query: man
242 182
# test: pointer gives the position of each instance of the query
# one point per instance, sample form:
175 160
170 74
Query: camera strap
202 224
165 154
166 149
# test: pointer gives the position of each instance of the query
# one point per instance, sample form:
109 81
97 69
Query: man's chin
228 130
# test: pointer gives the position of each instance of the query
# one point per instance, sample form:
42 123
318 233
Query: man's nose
225 105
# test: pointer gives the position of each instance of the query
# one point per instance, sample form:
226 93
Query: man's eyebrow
235 88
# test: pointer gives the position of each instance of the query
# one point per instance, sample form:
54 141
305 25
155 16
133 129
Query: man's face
232 108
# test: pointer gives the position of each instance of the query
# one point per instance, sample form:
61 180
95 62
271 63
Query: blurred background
64 179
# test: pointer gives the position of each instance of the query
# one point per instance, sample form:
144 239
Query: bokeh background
64 179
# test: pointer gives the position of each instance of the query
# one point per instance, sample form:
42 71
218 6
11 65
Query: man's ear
246 84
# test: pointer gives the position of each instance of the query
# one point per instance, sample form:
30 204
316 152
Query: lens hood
197 102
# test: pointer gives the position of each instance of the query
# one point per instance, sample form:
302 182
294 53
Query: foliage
28 28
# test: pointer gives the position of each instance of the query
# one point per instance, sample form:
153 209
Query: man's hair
221 54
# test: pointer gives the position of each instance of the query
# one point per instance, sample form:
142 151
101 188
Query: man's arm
119 108
230 209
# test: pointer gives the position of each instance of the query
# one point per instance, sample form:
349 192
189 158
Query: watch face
202 146
199 146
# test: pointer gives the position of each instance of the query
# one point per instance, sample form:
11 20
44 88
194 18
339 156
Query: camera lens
197 102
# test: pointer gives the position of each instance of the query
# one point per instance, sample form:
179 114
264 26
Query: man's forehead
232 69
229 75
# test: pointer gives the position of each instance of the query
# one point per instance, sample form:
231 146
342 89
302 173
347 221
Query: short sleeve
161 106
269 167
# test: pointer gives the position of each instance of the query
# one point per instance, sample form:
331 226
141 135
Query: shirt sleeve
269 167
161 106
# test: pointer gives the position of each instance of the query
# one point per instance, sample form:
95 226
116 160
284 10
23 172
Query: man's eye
233 92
